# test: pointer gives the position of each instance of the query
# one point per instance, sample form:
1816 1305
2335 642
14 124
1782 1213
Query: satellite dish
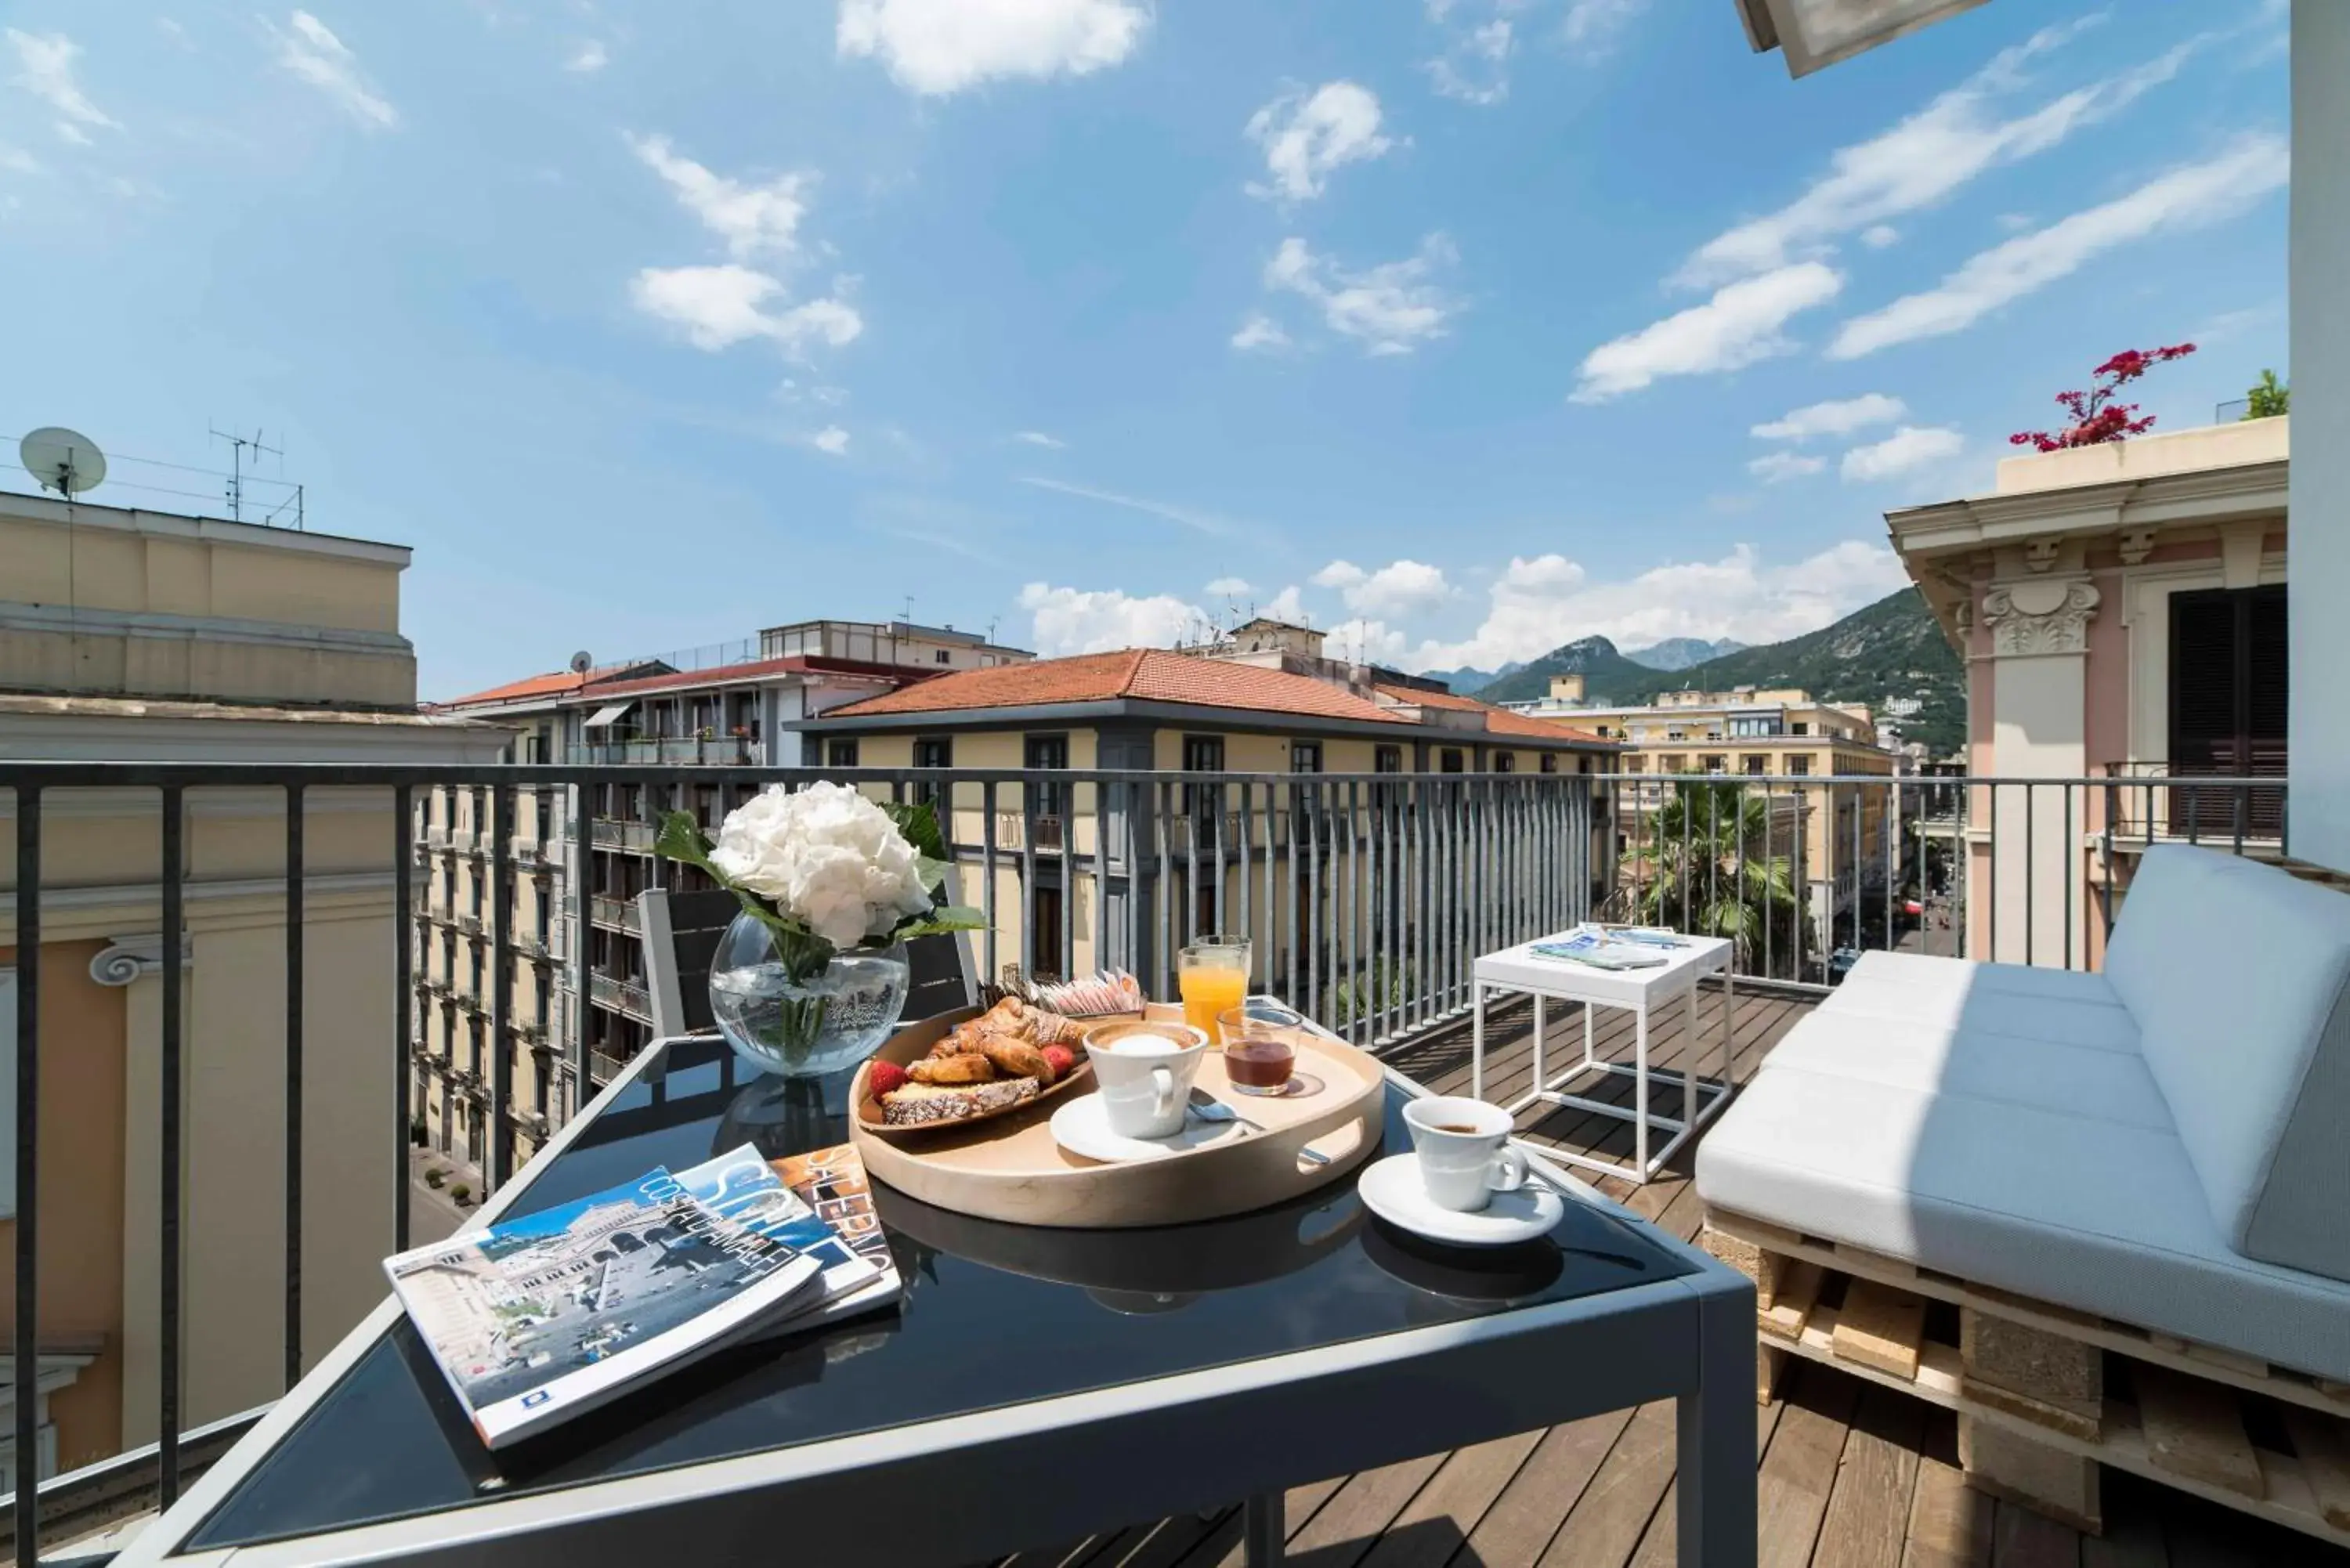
581 663
67 461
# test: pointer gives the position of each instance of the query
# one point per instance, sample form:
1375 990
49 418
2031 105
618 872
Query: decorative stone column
2038 630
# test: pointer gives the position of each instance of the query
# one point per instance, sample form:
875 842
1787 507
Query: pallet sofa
2104 1216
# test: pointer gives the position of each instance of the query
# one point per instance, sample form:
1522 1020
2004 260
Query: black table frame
1003 1479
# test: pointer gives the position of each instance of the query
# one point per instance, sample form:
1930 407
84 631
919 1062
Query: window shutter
7 1093
2265 670
2204 671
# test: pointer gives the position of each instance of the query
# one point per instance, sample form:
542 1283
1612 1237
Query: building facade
132 634
1843 837
582 856
2122 611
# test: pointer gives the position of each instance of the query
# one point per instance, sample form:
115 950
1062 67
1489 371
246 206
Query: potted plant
811 976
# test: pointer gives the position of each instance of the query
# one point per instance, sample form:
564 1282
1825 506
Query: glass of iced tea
1260 1052
1212 975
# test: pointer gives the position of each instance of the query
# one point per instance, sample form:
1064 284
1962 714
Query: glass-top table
1140 1371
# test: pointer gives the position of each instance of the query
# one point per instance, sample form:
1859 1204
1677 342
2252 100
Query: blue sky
1447 323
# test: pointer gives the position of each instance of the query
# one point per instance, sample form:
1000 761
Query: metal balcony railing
1367 898
607 833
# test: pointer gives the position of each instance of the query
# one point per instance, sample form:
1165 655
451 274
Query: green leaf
937 922
919 824
681 838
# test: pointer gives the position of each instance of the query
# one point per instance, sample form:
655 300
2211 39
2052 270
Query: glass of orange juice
1212 973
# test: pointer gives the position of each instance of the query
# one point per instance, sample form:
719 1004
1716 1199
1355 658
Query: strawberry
1064 1060
886 1078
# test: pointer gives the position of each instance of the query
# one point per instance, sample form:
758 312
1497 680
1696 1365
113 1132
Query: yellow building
136 636
1181 858
1843 837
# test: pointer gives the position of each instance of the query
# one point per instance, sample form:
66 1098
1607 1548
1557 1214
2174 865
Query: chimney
1567 688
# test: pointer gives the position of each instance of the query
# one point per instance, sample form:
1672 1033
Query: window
1449 760
840 753
1765 725
2228 703
1799 765
1758 765
1202 755
1672 762
1387 759
1550 762
1045 928
1713 763
1046 752
1505 762
939 657
1799 728
1306 756
933 752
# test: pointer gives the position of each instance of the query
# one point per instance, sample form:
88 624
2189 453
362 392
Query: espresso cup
1464 1150
1144 1071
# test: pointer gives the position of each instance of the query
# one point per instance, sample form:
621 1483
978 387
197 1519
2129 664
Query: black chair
680 932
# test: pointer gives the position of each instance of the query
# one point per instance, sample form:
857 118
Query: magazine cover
538 1319
746 1189
1598 950
832 1182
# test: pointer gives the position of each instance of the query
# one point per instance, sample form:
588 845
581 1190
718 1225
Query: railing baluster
1066 958
28 1171
1245 828
1101 875
170 1261
296 822
988 973
501 1042
1357 1016
403 986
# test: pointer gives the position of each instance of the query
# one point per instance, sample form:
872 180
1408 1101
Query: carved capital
127 959
2040 616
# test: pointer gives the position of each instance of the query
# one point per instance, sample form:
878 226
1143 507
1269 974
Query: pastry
1016 1058
969 1068
918 1105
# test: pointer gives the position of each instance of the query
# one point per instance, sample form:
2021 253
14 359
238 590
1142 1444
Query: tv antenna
67 461
238 445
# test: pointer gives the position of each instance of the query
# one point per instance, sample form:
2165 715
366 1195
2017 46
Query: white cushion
2101 1084
1931 972
2083 1212
2095 1025
2239 977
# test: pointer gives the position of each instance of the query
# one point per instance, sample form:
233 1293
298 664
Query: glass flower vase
803 1029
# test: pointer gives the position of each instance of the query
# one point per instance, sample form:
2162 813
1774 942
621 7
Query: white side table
1644 991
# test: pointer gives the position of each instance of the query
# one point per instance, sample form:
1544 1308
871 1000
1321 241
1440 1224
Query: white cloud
832 441
1475 68
1907 448
1260 331
1538 604
1592 27
1919 162
1835 417
1391 308
2186 198
1397 588
939 46
1077 620
312 52
44 63
1038 438
588 58
1776 467
1877 236
1288 604
753 220
16 161
1183 516
1304 136
1737 326
1367 641
719 306
1228 587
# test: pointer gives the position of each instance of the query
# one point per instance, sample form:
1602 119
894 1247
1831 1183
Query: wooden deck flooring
1852 1475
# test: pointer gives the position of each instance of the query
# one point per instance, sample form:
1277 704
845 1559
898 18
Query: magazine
800 1202
832 1181
1600 949
539 1319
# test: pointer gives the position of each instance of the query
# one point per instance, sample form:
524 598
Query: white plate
1393 1190
1082 1127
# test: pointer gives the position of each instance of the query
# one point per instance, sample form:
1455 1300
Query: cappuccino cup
1462 1147
1144 1071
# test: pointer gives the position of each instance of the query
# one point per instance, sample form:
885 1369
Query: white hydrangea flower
825 856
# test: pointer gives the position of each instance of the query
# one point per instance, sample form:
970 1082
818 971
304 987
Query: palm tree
1708 869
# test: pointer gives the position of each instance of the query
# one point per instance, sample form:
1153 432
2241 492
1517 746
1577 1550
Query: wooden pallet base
2029 1382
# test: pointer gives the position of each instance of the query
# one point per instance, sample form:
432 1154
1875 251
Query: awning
606 717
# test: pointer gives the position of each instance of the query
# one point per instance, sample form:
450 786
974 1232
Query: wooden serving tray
1010 1168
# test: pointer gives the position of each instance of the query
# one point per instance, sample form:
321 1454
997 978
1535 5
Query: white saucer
1392 1190
1082 1127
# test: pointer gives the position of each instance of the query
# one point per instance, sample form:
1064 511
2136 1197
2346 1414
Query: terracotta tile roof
560 680
1498 720
1142 674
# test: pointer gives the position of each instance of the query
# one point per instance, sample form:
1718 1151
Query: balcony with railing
608 832
1367 898
693 750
